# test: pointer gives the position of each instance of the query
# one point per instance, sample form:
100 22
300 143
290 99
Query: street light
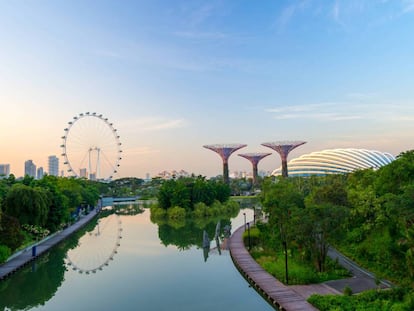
254 215
244 214
248 233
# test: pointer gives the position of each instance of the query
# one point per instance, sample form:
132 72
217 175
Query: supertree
254 158
224 151
284 148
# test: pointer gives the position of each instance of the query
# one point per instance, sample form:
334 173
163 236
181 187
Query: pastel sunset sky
173 76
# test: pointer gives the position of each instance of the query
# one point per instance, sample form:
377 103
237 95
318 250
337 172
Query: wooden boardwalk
279 295
26 256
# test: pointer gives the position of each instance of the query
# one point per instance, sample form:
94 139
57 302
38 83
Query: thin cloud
289 12
408 6
141 150
198 35
153 124
346 111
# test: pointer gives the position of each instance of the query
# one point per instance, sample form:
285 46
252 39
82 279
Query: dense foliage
31 209
368 215
186 192
390 300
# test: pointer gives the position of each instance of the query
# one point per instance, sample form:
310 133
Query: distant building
40 173
83 173
4 170
173 174
30 168
53 162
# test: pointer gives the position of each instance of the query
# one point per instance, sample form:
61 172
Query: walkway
293 297
279 295
24 257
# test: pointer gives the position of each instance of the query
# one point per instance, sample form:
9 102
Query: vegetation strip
27 256
274 291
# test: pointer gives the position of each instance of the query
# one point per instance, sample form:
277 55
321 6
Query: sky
173 76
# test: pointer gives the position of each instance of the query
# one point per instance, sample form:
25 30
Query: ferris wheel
91 147
97 248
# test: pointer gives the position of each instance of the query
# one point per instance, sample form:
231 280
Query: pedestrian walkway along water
31 253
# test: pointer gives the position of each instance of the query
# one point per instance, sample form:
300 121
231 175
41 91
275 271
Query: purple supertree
224 152
283 148
254 158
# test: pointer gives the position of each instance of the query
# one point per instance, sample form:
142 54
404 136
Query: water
153 268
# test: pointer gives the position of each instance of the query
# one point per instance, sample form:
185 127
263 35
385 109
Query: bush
347 291
254 237
394 299
157 213
176 212
5 253
200 210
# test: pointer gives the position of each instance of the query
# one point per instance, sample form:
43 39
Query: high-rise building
53 165
83 173
4 170
40 173
30 168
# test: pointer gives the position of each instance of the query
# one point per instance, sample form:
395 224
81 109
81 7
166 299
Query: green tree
280 200
29 205
317 227
58 203
10 234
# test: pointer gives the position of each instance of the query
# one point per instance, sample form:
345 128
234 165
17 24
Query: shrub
5 253
347 291
176 212
254 237
157 213
200 210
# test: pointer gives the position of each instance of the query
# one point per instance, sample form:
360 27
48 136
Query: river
127 262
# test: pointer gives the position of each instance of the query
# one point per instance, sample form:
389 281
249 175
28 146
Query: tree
318 226
10 234
58 203
280 199
29 205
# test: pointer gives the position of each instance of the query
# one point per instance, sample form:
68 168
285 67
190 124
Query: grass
299 271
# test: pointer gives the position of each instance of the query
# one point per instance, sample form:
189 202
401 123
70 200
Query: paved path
294 297
24 257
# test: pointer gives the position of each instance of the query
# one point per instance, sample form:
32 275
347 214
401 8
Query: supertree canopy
284 148
254 158
225 151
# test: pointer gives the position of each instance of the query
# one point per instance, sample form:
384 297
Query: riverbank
274 291
29 254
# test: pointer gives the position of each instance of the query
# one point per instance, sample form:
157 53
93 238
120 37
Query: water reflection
37 283
143 269
98 247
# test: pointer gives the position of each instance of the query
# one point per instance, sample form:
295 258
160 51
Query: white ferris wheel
91 147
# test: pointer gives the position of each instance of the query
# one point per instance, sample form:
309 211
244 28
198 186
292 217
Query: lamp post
248 233
254 215
244 214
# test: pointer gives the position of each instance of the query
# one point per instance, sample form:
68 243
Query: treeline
368 215
31 209
186 192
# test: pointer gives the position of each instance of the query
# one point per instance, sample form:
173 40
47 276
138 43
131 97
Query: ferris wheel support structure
91 137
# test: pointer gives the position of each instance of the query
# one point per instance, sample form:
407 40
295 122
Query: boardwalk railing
278 294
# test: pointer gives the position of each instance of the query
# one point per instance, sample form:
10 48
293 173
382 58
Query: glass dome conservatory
336 161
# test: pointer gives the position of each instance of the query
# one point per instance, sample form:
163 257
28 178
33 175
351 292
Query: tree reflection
192 232
38 282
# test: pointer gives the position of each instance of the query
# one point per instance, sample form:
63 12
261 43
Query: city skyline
174 76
